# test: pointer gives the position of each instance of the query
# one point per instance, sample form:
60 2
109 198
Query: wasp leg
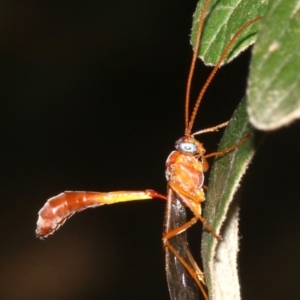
193 203
193 267
227 150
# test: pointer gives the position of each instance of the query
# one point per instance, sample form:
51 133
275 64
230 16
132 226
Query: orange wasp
185 169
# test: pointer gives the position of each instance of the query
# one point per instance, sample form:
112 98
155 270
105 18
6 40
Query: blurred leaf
274 84
224 18
220 258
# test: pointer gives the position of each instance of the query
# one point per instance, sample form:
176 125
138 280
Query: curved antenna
214 71
192 67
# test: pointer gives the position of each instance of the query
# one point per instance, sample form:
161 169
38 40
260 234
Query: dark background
92 98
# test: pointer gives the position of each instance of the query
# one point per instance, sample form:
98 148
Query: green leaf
220 258
224 18
274 85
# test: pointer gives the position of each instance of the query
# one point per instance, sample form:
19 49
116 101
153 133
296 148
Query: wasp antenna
214 71
192 67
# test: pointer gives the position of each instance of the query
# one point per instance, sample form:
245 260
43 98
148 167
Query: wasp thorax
190 146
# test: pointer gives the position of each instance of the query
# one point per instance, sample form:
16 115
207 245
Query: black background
92 98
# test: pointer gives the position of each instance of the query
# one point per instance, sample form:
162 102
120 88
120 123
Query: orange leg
192 203
180 229
227 150
193 270
211 129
